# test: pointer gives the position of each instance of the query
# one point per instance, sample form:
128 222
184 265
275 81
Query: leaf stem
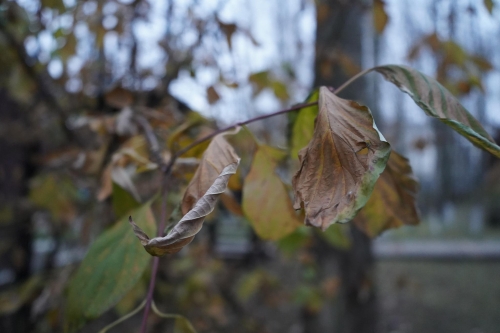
225 129
156 260
351 80
122 319
149 298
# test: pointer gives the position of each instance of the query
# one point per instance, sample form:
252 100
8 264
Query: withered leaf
231 203
184 231
380 17
212 95
228 29
119 98
218 155
342 162
393 201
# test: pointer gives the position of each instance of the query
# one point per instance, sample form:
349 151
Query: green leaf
250 284
303 126
182 325
112 266
266 203
259 81
123 202
56 193
12 300
280 90
489 4
439 103
296 240
54 4
337 235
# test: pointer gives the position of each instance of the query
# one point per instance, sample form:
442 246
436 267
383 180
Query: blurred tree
339 52
89 132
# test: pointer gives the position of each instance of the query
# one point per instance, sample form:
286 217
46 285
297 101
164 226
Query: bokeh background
73 74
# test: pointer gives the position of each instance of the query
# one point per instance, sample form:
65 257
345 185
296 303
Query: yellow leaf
266 203
380 17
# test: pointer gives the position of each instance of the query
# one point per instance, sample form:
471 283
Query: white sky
277 25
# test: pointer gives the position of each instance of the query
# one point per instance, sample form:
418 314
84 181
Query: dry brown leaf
228 29
106 183
229 201
340 165
216 157
184 231
393 201
212 95
119 98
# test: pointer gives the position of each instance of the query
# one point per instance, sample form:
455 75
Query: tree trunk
339 33
15 219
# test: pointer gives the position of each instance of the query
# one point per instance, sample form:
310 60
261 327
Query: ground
437 296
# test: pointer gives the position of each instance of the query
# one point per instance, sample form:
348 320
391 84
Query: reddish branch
166 169
228 128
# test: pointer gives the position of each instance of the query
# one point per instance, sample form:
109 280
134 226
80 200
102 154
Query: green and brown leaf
341 164
439 103
393 201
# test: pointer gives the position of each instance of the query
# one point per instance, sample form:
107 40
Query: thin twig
172 316
149 299
225 129
352 79
122 319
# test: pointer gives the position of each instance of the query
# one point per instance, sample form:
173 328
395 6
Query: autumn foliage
346 172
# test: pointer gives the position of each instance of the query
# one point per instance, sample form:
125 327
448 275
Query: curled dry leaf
342 162
393 201
218 155
184 231
211 179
